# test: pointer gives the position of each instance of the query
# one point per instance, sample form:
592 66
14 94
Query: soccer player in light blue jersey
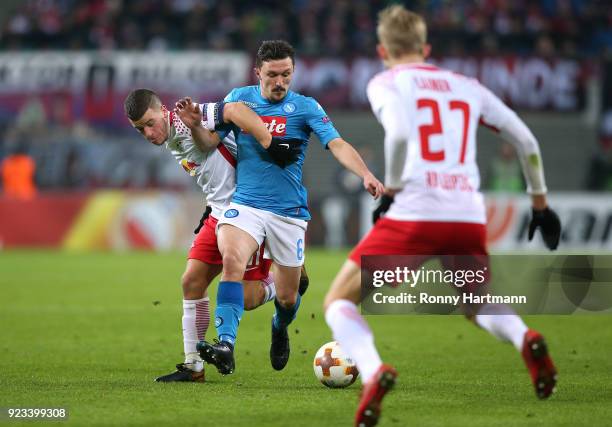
270 201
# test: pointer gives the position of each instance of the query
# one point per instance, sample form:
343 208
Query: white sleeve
390 111
230 143
495 114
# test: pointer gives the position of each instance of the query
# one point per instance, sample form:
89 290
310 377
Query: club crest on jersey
231 213
190 167
218 321
289 107
276 125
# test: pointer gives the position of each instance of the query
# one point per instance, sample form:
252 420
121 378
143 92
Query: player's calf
254 296
257 293
287 306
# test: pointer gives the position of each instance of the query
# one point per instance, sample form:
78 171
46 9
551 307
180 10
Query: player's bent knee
231 258
329 299
233 263
251 301
287 301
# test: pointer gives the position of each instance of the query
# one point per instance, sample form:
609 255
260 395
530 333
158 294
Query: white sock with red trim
354 336
503 323
202 317
196 318
269 288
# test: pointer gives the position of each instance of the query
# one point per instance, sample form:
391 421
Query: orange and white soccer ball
333 367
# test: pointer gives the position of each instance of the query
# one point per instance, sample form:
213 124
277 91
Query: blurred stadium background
66 66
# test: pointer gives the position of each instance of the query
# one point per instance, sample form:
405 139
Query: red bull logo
190 167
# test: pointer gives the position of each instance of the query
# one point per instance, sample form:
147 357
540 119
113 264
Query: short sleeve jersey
260 183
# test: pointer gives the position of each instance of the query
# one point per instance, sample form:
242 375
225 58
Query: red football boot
541 368
372 395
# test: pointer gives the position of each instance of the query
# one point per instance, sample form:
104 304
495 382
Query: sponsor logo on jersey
190 167
231 213
289 107
276 125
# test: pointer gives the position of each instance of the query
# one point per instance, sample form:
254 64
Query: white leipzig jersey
214 171
434 115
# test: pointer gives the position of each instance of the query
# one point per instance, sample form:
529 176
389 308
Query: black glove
383 206
284 151
549 223
205 215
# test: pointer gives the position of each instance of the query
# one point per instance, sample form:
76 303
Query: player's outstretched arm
512 129
350 159
191 114
245 118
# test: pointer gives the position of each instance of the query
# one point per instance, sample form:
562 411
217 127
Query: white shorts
284 236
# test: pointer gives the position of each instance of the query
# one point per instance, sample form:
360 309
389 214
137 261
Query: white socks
354 336
269 288
196 318
502 322
356 339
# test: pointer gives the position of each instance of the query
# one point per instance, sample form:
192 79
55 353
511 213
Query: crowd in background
70 153
318 27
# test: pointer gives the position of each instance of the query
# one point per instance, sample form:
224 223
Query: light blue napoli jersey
260 183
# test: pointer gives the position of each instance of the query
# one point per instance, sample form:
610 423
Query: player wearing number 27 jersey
434 115
435 209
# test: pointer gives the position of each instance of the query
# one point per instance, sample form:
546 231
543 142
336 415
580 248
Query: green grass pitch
90 332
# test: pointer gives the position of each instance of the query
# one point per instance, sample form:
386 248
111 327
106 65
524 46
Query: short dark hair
274 49
139 101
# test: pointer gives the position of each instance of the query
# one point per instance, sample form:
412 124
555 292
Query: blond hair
401 31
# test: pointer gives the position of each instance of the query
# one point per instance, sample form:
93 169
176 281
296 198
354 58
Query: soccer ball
334 368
